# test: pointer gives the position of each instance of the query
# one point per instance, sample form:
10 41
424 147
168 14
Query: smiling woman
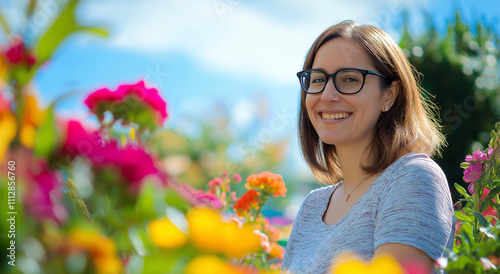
366 129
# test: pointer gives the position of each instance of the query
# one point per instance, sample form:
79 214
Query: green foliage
477 241
460 68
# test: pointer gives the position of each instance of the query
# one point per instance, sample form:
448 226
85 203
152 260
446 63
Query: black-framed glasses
346 80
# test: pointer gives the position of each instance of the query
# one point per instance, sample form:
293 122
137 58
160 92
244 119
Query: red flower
246 202
17 53
267 182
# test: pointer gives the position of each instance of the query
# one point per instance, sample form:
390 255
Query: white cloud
233 37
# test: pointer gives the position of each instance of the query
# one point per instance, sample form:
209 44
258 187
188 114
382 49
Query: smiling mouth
336 116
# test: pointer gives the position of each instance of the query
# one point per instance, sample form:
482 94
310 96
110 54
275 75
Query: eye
318 79
350 77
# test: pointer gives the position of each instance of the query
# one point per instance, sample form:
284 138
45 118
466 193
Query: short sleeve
416 209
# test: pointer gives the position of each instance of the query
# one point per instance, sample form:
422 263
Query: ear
390 95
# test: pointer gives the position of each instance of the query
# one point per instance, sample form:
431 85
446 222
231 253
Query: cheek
309 102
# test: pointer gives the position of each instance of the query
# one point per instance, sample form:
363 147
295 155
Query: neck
351 159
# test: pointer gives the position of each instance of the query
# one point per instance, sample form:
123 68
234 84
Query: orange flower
277 251
273 232
267 182
102 250
246 202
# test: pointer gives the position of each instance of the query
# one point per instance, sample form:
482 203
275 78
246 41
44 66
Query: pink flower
472 188
150 97
216 182
17 53
43 195
133 162
477 156
237 178
198 197
472 174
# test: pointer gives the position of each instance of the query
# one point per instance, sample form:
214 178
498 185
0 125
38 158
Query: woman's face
357 113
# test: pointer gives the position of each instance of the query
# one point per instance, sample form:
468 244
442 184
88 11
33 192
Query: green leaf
4 24
47 136
493 193
484 205
464 165
145 201
482 220
461 216
63 26
462 191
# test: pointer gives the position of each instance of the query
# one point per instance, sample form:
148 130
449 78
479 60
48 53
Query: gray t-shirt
409 203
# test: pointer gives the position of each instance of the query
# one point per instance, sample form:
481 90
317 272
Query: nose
330 93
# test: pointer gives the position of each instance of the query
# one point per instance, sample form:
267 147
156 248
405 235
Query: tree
460 69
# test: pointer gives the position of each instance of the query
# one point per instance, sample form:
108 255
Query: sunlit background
233 60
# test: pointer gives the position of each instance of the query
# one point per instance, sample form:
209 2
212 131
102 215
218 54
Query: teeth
335 116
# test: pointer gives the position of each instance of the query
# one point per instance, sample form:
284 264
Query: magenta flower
42 198
472 188
477 156
133 161
17 53
472 174
119 104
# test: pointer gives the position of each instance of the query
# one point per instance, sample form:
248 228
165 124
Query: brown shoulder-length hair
411 124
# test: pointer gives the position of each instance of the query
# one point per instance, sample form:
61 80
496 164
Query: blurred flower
101 249
8 128
17 53
349 264
43 195
210 264
277 251
209 233
273 232
472 174
127 99
249 200
165 234
268 183
134 163
32 118
264 240
237 178
199 198
477 156
216 182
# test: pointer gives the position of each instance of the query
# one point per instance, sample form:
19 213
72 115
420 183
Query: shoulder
317 198
415 167
415 176
320 193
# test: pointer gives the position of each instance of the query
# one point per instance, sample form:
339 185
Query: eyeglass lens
346 81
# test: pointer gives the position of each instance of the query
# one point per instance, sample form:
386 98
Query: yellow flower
8 128
165 234
208 264
32 117
209 233
349 264
205 229
102 250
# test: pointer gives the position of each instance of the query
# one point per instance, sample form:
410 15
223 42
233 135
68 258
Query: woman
364 122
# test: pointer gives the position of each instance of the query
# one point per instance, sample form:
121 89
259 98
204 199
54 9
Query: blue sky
203 54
